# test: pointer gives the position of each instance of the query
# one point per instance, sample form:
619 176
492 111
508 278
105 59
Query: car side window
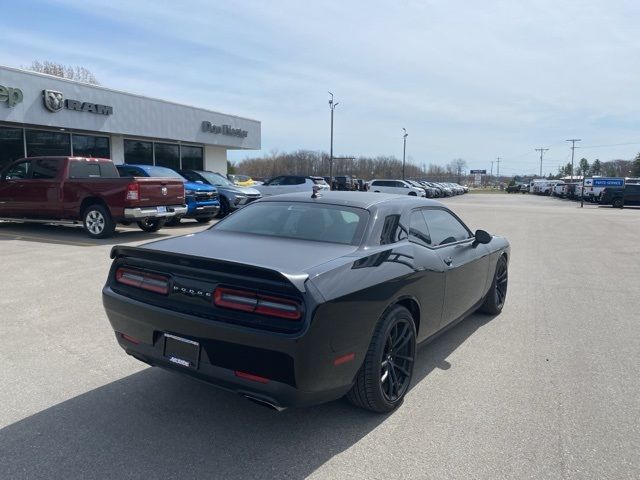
392 230
45 169
400 185
127 172
275 181
418 230
193 177
444 228
18 171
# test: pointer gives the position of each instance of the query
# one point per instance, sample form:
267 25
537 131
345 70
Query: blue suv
202 200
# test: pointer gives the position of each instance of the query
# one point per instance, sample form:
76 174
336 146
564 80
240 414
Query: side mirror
482 237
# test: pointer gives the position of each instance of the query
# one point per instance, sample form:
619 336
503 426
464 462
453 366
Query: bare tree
457 166
77 73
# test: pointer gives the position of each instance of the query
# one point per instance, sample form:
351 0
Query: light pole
404 148
332 106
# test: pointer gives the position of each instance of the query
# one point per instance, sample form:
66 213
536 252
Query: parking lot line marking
13 236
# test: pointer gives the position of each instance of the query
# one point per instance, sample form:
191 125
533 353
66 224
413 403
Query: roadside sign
477 180
483 172
608 182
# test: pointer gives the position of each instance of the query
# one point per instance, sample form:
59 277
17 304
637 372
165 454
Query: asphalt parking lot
548 389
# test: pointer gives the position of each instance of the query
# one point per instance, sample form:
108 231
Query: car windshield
161 172
299 220
216 179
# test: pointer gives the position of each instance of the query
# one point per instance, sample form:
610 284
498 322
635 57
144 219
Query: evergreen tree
635 169
596 167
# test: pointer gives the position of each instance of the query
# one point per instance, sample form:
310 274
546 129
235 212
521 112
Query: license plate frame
162 209
181 351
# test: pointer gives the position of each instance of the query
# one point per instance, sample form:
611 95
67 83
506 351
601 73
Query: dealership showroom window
14 141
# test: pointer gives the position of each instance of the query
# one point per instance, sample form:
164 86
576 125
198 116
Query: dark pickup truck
87 190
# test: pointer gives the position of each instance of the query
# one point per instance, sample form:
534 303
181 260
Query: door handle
448 261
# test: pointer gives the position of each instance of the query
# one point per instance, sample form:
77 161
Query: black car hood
292 258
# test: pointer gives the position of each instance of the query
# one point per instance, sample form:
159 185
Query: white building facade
43 115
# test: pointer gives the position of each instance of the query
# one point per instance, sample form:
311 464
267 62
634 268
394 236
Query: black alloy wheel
497 294
617 203
385 375
397 361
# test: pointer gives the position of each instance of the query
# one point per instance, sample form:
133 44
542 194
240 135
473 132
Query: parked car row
420 188
617 192
99 194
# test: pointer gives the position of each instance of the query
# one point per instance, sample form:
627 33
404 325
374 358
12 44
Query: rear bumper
296 371
152 212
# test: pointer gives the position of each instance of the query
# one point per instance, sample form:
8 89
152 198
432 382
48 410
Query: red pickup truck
87 190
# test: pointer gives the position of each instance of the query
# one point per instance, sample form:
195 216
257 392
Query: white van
399 187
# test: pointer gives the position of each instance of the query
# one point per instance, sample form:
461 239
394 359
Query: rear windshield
300 220
318 181
92 169
161 172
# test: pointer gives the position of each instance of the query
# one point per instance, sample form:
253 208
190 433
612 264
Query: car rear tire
97 221
151 224
385 375
497 294
617 203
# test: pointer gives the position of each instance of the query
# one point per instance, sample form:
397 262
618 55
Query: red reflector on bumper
130 339
344 359
249 376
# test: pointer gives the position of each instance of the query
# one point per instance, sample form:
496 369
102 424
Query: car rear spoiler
231 268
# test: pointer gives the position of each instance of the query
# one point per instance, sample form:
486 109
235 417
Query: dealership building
43 115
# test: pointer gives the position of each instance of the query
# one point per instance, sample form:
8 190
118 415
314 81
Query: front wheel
617 203
151 224
204 219
497 293
385 375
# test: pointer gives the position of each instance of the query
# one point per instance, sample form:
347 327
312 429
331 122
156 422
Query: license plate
181 351
162 209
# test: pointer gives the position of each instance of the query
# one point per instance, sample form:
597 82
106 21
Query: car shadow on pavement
72 235
155 424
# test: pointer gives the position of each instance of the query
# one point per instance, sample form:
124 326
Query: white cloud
467 79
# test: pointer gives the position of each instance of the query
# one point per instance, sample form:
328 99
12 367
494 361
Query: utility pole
404 148
573 148
491 176
541 150
332 106
498 162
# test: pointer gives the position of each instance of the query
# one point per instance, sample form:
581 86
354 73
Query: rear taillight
143 280
257 303
133 191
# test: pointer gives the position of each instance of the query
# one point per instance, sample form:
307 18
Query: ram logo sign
55 101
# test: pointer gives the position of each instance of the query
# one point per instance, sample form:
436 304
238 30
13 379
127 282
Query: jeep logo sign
224 130
54 101
12 96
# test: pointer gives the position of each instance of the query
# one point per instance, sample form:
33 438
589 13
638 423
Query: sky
468 79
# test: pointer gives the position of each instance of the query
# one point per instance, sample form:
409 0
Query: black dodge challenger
300 299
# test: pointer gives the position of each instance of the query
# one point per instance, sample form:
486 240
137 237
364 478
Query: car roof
353 199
